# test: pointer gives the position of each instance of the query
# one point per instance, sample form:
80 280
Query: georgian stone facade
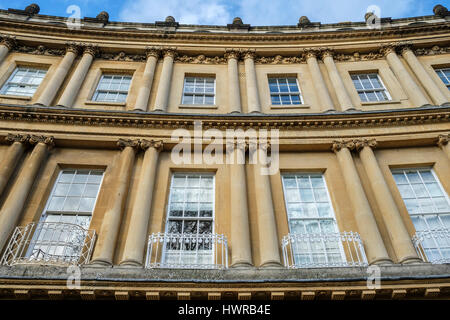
356 145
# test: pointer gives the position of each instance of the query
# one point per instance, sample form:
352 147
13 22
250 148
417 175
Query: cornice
174 121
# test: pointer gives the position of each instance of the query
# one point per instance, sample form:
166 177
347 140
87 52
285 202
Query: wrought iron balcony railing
319 250
187 251
433 245
53 243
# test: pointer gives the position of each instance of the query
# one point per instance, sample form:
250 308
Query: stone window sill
290 106
105 103
7 96
374 103
198 106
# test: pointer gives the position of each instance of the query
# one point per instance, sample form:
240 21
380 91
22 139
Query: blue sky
221 12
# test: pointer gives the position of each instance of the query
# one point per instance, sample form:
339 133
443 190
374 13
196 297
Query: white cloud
187 12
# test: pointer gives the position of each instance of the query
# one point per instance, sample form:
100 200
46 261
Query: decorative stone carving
443 139
35 139
153 52
237 21
32 9
279 59
103 16
338 145
170 19
123 143
431 51
39 50
169 52
17 138
90 49
304 21
356 56
361 143
201 59
145 144
8 41
73 47
440 10
122 56
232 54
395 47
238 24
249 53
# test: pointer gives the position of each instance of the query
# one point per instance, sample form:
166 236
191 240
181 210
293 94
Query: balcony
49 243
321 250
187 251
433 245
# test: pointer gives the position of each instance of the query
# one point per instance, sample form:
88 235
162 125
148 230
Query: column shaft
147 81
137 232
344 99
407 82
234 95
56 81
162 95
241 254
9 163
74 85
319 83
398 234
267 228
367 226
109 230
4 50
14 203
6 44
252 85
423 76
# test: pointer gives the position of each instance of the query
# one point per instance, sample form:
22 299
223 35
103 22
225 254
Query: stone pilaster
367 226
319 83
7 43
253 102
241 254
153 54
137 232
16 199
109 230
12 157
162 95
267 228
398 234
73 87
234 94
408 84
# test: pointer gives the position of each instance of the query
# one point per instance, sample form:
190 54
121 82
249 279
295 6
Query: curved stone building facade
170 161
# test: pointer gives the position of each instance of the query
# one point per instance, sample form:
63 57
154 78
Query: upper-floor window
24 81
284 91
444 74
199 90
112 88
429 207
370 88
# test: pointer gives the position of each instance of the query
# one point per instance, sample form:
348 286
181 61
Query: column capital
327 52
394 47
261 145
232 54
73 47
443 139
153 52
9 41
361 143
123 143
22 138
249 54
156 144
91 49
237 145
311 52
169 52
339 145
47 140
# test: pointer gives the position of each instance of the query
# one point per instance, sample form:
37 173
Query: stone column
344 99
7 43
162 95
267 228
106 241
234 94
367 226
137 232
12 157
443 140
407 82
74 85
241 254
17 197
398 234
319 83
425 79
61 72
147 79
250 79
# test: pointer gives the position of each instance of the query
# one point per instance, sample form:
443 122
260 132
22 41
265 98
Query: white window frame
98 91
289 93
46 212
9 82
198 94
212 219
374 90
333 217
441 71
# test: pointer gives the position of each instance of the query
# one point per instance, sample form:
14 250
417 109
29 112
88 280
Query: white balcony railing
433 245
320 250
53 243
189 251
